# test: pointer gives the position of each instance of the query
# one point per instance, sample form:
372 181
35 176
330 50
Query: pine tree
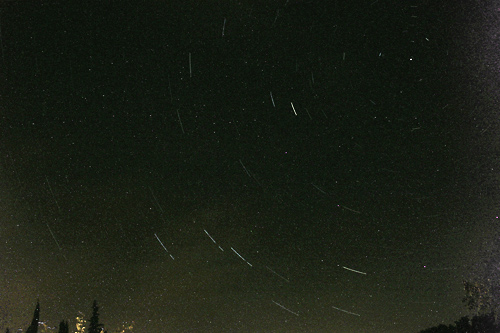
94 326
63 327
33 328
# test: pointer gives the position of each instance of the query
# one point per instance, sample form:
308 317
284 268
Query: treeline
481 297
94 325
478 324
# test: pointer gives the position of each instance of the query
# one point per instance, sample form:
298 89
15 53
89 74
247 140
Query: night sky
223 166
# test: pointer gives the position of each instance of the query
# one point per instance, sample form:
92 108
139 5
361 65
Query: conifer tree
63 327
94 326
33 328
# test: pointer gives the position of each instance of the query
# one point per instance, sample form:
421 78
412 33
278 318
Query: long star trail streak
190 71
350 209
157 203
293 108
276 17
281 306
241 257
272 99
213 240
171 256
210 236
53 196
55 240
353 270
180 121
277 274
318 188
224 27
248 173
349 312
308 113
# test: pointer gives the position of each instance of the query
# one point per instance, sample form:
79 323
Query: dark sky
346 150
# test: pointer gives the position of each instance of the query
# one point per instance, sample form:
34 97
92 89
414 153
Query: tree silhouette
33 328
63 327
485 323
482 283
94 326
482 297
478 324
463 325
441 329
